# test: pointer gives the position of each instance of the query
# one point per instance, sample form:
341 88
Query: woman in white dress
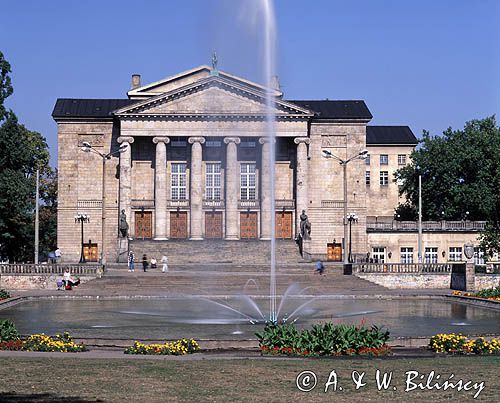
164 261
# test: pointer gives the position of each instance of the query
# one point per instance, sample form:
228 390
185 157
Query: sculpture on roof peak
215 60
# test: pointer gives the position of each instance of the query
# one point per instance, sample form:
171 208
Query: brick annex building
196 167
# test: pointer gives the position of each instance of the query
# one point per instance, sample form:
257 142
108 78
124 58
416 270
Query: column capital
162 139
193 140
264 140
298 140
235 140
125 139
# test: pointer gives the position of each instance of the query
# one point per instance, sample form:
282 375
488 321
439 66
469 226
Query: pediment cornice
149 107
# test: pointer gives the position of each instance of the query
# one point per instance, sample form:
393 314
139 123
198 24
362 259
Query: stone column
232 188
161 216
126 179
196 188
266 197
301 191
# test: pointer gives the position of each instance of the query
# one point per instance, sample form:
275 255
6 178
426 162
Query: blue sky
426 64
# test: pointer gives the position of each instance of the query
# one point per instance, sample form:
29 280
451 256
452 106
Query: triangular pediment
189 77
213 95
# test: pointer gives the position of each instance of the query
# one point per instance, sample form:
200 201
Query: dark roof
337 109
88 108
390 135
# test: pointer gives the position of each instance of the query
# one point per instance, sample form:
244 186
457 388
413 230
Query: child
153 263
144 262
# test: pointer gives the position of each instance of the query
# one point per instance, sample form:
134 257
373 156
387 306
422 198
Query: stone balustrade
49 269
402 268
412 226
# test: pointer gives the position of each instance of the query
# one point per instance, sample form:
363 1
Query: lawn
63 378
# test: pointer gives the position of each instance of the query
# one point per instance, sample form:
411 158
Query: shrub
459 344
8 331
489 293
179 347
61 343
323 339
4 294
12 345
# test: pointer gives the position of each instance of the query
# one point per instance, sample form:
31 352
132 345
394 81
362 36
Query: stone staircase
242 252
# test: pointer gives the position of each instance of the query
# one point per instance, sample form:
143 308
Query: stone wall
34 282
420 281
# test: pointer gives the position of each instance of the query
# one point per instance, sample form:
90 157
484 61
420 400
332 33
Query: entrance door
248 225
283 225
90 252
334 251
178 225
213 225
143 224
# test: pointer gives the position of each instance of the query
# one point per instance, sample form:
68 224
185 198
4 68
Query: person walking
144 263
164 261
131 258
320 268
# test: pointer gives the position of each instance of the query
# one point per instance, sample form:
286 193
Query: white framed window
384 178
247 181
178 181
406 255
431 255
367 159
401 159
367 178
212 181
384 159
478 256
455 254
378 254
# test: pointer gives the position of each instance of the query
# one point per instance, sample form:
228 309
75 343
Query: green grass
229 380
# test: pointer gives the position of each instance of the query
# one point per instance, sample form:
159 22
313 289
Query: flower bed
179 347
460 344
492 294
4 294
325 339
62 343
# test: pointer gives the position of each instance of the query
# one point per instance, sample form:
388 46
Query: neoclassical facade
197 165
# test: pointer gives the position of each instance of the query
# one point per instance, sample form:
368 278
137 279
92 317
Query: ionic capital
193 140
235 140
298 140
157 140
264 140
125 139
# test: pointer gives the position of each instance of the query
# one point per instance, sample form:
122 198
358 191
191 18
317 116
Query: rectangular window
248 144
478 256
212 181
384 159
384 178
213 143
367 178
367 159
178 181
431 255
455 254
406 255
247 182
401 159
378 255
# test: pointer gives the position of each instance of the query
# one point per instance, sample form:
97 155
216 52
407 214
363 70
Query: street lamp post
352 217
81 218
87 147
360 156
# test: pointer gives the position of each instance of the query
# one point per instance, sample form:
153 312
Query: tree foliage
460 174
22 152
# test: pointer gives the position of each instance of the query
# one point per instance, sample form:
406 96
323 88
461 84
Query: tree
460 174
22 152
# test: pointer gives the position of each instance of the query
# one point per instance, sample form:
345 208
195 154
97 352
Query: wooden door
90 252
178 225
283 225
213 225
334 252
143 224
248 225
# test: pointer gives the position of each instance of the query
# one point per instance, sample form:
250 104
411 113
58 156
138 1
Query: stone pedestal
470 276
122 250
